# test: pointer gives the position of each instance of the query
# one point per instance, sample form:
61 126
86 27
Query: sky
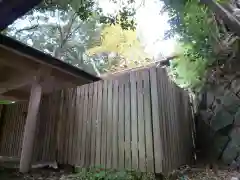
151 25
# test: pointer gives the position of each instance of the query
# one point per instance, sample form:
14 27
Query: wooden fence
138 120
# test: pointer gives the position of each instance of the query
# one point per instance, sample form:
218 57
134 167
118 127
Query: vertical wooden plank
80 111
83 153
9 143
49 126
162 115
186 145
190 122
157 139
141 124
67 125
13 120
45 144
55 118
179 114
148 122
36 142
89 124
104 124
134 120
3 136
174 125
169 122
128 157
44 129
6 130
115 147
109 124
18 129
94 124
121 124
22 127
14 128
61 128
99 123
73 127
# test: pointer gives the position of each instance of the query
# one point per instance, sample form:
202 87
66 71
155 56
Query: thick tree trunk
30 127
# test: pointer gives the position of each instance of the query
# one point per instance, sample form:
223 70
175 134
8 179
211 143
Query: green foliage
124 44
199 36
103 174
88 8
189 69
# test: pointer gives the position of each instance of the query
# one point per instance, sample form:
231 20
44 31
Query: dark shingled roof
10 10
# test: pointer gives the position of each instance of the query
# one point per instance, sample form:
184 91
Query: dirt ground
37 174
50 174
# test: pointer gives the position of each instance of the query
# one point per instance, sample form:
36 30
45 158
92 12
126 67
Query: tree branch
224 14
27 28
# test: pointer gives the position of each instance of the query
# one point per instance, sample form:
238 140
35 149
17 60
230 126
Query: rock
206 116
221 119
231 102
230 153
235 86
237 117
210 99
235 134
218 91
234 178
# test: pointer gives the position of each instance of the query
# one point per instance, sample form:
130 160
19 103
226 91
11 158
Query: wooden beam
17 61
15 83
30 127
11 98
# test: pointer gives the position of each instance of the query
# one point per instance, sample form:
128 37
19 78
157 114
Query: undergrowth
103 174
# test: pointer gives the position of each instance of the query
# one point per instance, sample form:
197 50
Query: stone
231 102
218 91
206 116
237 117
230 153
210 99
221 119
235 85
235 134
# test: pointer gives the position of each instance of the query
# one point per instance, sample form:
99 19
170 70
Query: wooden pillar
30 127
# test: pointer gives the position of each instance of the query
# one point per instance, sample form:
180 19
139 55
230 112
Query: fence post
30 127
